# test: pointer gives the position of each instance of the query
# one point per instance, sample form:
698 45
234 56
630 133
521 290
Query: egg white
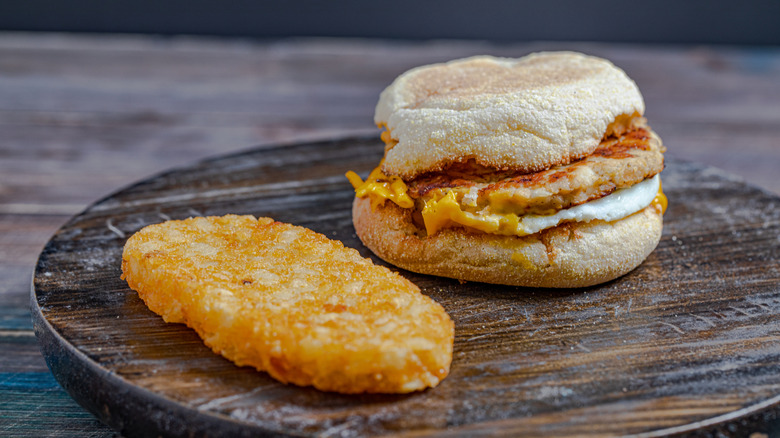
617 205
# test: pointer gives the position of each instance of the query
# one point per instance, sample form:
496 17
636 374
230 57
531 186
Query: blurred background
746 22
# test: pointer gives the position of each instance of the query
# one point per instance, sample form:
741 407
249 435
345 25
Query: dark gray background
738 22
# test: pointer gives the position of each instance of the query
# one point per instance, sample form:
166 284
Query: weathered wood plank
82 116
27 396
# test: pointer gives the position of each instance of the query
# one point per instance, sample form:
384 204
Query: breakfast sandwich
291 302
539 171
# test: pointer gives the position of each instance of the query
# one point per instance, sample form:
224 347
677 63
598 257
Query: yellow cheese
379 187
386 137
438 213
660 202
445 209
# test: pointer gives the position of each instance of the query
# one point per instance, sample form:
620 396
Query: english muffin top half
524 114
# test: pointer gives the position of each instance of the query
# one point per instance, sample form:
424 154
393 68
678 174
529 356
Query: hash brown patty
291 302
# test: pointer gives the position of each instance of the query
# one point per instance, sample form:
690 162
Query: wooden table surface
83 116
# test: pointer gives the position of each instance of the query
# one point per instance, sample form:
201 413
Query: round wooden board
686 342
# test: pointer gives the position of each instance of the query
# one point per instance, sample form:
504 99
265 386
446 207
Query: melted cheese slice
444 211
380 187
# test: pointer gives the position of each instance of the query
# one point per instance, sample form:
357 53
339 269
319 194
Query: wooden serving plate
688 341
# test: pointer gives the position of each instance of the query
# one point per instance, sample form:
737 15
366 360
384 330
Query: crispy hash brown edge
401 348
572 254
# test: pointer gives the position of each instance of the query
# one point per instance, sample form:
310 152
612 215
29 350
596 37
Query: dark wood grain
687 342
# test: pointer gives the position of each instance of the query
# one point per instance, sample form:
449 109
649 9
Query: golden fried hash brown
291 302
